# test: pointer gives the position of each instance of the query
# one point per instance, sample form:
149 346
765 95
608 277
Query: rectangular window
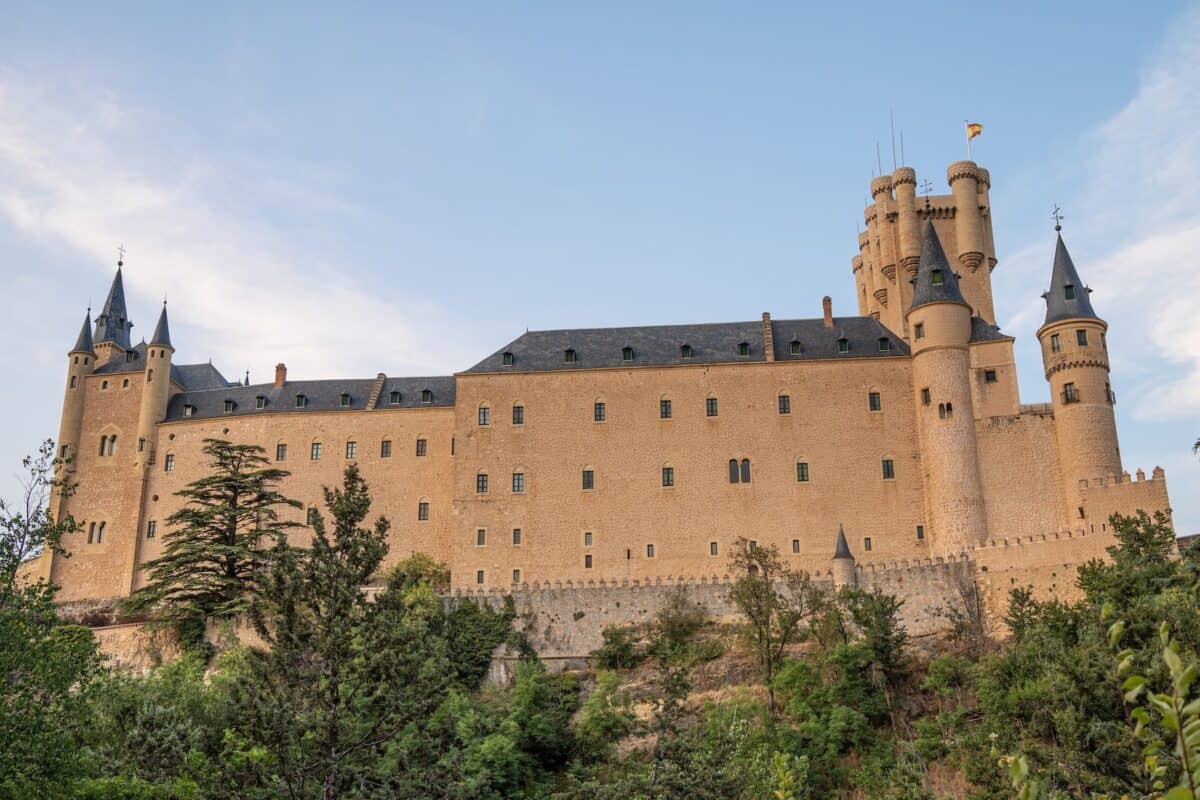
310 518
314 454
874 402
62 451
867 544
479 576
589 480
599 413
74 381
1055 343
753 545
889 469
843 345
712 548
1069 292
481 538
351 449
710 407
516 537
422 447
151 528
423 511
802 472
1070 394
385 448
668 476
260 402
587 561
587 539
664 409
518 415
989 376
518 483
925 398
649 551
228 406
141 444
516 576
920 533
169 463
1081 337
281 452
485 416
919 330
785 404
795 545
481 483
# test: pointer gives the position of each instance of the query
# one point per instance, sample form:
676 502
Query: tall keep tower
1075 354
156 390
940 327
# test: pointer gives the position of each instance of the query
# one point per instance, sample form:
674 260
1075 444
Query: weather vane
926 187
121 256
1058 217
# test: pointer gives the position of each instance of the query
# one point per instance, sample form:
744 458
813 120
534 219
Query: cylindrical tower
842 566
940 325
985 210
908 229
156 388
871 275
80 363
1075 354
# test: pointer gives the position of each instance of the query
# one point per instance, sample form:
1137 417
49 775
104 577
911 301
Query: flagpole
968 132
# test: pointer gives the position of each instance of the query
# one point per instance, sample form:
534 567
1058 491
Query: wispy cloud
81 171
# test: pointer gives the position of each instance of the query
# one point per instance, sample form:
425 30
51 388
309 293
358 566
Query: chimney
280 375
827 307
768 337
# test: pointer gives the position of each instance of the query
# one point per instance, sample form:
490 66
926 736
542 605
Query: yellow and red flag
974 129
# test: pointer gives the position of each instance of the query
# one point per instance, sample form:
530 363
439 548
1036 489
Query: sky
404 188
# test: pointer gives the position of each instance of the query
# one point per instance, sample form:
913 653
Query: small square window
485 416
794 348
151 528
920 533
1069 292
422 448
344 400
685 352
1081 337
169 463
314 453
649 551
889 469
744 349
885 344
785 404
189 410
507 359
351 449
919 330
938 278
229 404
516 576
423 511
481 483
281 452
516 539
795 545
426 396
518 483
664 409
587 539
874 401
385 448
301 401
394 398
589 480
260 402
843 345
599 412
479 576
867 544
668 476
627 354
570 357
518 415
802 472
481 538
989 376
587 561
710 407
712 548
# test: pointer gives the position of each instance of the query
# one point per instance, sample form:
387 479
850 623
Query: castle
618 457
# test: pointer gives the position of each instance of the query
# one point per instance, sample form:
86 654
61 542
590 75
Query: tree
213 551
775 600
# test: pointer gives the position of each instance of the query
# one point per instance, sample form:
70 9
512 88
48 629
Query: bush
619 650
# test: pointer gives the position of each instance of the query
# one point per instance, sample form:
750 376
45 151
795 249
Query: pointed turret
162 331
842 550
844 571
1067 297
83 344
935 281
113 324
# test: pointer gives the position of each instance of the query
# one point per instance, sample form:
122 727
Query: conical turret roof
83 343
935 281
113 324
1067 297
843 549
162 331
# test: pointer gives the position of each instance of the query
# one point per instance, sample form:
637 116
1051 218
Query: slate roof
195 377
162 331
711 343
984 331
934 266
83 344
842 550
113 324
321 395
1064 274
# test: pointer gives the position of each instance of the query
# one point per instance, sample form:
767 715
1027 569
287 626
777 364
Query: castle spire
1067 297
83 344
162 331
935 281
842 550
113 324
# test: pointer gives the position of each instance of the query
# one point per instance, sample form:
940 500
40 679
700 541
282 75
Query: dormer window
426 396
189 410
260 402
885 344
794 347
627 354
394 398
301 401
685 351
843 345
229 406
937 277
743 348
569 356
1069 292
507 359
345 400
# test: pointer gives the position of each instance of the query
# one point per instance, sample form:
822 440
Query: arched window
733 470
112 446
92 533
311 517
100 532
685 351
745 470
103 445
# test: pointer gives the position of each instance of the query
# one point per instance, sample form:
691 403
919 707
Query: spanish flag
974 129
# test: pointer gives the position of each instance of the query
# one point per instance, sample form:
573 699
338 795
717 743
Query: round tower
908 228
1075 355
939 322
155 389
80 363
842 564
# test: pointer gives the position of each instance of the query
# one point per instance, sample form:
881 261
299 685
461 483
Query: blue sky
406 188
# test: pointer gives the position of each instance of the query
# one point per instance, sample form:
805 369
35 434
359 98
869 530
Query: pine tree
216 546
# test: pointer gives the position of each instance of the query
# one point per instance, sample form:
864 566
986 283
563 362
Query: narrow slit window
785 404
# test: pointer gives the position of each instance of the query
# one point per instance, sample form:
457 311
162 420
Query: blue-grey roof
162 331
935 281
710 343
842 550
83 343
321 395
1058 306
984 331
194 377
113 324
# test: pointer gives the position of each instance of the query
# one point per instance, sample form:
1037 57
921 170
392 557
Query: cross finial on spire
1057 216
121 255
926 187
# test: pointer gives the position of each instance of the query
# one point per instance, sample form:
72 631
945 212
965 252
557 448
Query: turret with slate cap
156 389
843 567
113 325
81 361
83 342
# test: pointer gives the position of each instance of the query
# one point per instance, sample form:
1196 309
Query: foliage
619 649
